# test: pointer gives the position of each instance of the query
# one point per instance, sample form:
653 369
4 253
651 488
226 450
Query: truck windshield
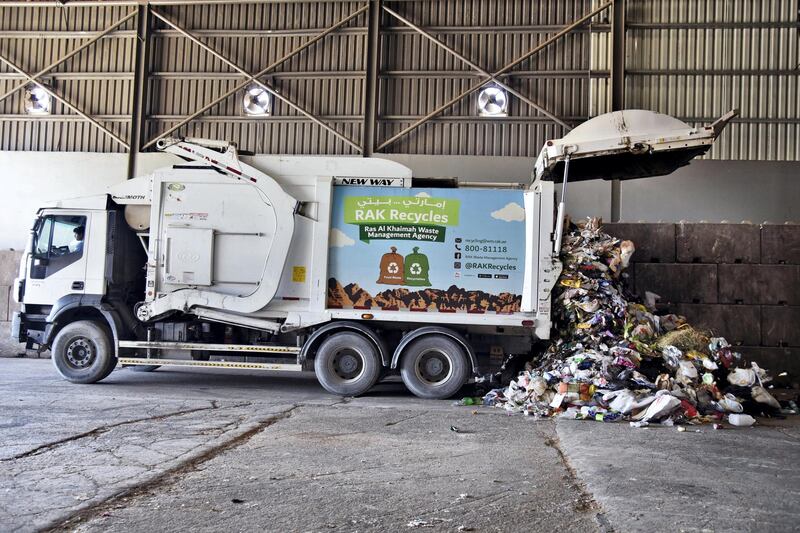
59 235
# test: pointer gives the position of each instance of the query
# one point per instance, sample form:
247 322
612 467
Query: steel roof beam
71 54
567 29
104 3
371 78
477 68
253 78
66 104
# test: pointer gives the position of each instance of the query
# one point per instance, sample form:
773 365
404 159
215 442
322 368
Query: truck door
57 263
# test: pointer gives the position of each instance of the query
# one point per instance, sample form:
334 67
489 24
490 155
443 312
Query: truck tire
82 352
347 364
434 367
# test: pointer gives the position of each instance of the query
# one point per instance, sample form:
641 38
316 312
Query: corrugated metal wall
697 59
694 59
98 80
327 79
418 76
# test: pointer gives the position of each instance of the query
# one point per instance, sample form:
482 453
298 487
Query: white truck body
216 243
255 251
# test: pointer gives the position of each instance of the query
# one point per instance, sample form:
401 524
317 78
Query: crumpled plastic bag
687 373
625 401
742 377
672 356
761 395
662 406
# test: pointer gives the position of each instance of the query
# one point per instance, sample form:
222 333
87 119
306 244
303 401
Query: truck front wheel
347 364
82 352
434 367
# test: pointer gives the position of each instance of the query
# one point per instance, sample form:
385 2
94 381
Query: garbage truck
350 267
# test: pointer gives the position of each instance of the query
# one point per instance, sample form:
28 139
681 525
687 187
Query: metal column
617 88
372 78
139 114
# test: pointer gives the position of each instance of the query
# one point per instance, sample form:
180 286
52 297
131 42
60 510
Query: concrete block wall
740 281
9 269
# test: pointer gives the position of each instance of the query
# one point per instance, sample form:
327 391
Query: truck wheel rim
80 353
347 365
434 367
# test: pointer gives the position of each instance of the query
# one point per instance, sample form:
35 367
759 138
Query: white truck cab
347 266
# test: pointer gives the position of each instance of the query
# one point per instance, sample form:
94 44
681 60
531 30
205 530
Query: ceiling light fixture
492 102
37 101
257 102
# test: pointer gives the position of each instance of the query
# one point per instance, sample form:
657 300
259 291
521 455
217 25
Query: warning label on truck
447 250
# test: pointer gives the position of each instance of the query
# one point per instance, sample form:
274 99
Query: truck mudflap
16 327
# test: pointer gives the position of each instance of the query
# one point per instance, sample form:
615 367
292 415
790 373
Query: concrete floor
191 449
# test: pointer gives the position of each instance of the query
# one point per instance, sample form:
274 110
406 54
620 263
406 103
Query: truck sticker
445 250
186 216
299 274
370 182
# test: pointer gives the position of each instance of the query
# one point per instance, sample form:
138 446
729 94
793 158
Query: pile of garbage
615 359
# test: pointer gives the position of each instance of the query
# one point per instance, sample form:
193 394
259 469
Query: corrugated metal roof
694 59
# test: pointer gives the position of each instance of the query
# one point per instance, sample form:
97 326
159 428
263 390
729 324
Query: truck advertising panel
423 249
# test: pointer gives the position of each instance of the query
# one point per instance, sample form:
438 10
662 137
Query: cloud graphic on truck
339 239
511 212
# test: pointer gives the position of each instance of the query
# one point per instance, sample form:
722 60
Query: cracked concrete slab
54 481
131 446
361 468
659 479
178 449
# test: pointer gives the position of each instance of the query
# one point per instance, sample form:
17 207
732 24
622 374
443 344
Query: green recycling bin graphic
416 269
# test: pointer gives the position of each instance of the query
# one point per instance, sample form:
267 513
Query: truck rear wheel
347 364
434 367
82 352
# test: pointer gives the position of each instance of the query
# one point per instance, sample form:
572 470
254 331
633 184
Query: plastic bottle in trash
741 420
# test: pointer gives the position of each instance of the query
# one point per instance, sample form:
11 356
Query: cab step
166 345
285 367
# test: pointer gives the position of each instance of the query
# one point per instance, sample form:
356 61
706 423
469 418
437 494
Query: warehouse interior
370 75
470 90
